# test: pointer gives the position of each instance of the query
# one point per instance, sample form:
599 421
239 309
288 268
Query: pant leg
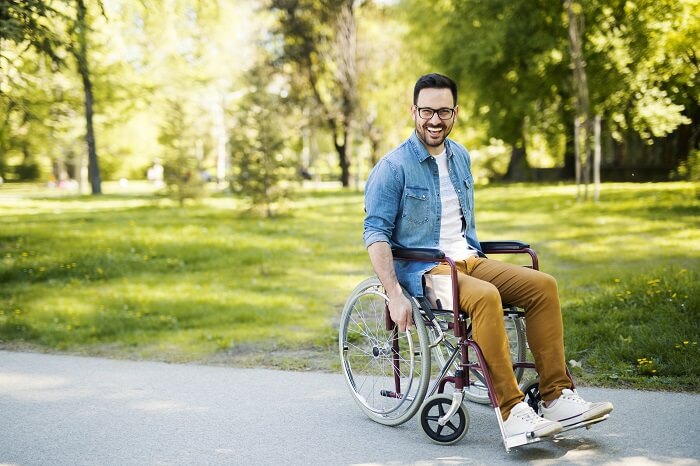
537 293
482 301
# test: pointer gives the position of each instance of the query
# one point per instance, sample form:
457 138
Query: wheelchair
391 374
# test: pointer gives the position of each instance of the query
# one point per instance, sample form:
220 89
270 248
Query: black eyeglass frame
433 111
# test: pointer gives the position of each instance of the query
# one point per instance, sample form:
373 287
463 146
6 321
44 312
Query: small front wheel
456 427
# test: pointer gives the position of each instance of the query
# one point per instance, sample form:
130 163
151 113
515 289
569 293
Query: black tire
532 396
456 428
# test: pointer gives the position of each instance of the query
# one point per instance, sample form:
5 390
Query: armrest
420 254
505 246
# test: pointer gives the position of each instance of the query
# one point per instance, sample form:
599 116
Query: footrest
520 440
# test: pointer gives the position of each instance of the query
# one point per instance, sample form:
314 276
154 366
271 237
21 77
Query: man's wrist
395 292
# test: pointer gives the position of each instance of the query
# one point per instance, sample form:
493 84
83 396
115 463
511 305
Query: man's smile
435 131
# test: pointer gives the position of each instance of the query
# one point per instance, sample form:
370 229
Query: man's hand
400 308
401 311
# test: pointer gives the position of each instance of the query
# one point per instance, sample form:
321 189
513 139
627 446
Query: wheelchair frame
391 350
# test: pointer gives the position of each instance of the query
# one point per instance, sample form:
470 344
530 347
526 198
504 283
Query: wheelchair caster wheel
532 396
456 427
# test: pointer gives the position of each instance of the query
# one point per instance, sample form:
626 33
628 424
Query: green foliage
317 42
264 170
689 169
642 59
182 164
499 52
27 22
349 66
512 61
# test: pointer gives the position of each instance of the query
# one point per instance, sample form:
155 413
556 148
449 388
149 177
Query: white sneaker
523 420
570 409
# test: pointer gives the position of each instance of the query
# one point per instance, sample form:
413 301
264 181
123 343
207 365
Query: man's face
434 130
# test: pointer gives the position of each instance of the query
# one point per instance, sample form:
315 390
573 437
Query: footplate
526 439
520 440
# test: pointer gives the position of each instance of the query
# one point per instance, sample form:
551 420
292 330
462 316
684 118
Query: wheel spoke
451 426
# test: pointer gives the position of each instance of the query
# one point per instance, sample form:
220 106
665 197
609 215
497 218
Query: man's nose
435 119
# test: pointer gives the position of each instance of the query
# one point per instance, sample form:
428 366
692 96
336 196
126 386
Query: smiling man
421 195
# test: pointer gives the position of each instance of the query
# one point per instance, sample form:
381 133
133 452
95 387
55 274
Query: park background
182 180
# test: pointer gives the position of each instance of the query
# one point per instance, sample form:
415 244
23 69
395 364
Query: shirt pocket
416 205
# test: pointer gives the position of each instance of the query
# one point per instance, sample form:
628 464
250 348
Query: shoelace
573 396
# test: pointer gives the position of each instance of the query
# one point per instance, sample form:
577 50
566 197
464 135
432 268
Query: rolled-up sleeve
382 200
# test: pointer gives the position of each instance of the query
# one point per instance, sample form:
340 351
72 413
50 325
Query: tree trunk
582 118
83 68
347 77
596 160
577 155
223 156
341 149
518 168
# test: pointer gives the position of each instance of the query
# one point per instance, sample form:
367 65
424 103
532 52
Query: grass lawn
131 275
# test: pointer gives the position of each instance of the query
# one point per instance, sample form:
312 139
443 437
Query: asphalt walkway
65 410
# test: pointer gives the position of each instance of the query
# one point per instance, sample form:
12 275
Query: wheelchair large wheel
387 371
476 391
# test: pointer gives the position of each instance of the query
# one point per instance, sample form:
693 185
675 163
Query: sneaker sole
548 431
596 411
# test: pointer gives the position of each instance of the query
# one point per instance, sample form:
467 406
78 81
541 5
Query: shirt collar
421 152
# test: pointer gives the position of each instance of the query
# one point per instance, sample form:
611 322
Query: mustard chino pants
484 285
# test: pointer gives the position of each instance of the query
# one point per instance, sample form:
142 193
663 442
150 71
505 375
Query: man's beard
431 139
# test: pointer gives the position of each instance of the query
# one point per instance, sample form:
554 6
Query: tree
23 28
507 57
79 49
513 59
318 42
582 120
643 64
182 167
264 168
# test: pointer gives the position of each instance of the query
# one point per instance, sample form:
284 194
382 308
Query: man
421 195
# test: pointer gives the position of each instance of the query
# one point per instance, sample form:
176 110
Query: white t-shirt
452 240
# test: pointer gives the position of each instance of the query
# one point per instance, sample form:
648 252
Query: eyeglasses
427 113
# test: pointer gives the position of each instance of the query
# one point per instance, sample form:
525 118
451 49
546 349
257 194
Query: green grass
132 275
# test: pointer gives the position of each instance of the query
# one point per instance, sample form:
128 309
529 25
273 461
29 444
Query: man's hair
436 81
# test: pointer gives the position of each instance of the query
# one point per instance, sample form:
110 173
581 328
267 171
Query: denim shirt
402 203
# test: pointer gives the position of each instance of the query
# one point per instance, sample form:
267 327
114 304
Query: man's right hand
400 308
401 311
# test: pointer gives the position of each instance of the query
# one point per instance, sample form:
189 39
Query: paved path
64 410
